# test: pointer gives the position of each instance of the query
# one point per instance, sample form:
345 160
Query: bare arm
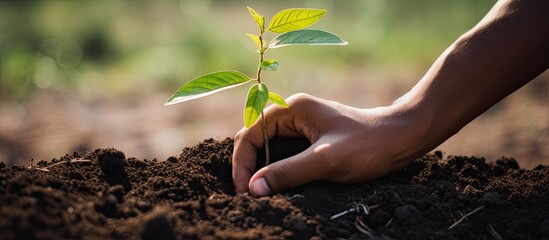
504 51
507 49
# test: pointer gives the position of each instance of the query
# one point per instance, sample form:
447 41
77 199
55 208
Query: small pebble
297 223
407 214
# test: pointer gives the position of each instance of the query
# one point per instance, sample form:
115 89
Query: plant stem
263 123
265 140
261 52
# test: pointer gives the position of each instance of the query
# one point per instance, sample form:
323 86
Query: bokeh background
80 75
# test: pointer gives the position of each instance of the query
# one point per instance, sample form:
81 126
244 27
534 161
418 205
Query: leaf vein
292 22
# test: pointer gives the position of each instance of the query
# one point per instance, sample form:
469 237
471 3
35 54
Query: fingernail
260 187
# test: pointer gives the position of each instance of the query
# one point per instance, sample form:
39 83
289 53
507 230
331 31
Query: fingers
244 157
289 173
293 121
249 140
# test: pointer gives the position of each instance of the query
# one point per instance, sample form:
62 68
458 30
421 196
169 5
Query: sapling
290 24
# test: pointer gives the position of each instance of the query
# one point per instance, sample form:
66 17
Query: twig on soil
358 207
494 233
362 227
297 196
465 217
46 169
374 206
31 166
41 169
389 223
76 160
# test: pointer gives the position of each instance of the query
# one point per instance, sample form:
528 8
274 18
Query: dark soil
104 195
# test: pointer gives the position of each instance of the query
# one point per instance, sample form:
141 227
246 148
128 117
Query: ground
104 195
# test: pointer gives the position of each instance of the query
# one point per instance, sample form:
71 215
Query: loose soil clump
104 195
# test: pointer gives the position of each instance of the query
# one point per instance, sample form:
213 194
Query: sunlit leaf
306 37
256 40
206 85
270 65
260 20
277 99
255 102
295 19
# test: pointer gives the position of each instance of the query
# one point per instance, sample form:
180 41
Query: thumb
288 173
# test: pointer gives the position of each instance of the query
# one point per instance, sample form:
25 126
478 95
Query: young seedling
290 24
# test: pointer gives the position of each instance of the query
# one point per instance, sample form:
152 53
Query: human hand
353 145
348 144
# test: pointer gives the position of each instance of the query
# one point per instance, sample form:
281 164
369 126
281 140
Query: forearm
507 49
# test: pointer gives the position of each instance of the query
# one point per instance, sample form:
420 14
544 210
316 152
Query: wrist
416 124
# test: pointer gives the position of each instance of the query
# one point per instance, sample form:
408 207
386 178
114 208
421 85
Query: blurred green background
78 75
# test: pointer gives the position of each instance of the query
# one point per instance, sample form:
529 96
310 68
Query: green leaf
255 102
260 20
295 19
306 37
277 99
256 40
270 65
206 85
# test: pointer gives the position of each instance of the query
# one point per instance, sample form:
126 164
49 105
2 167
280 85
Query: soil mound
104 195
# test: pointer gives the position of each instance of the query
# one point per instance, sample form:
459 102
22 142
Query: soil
104 195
